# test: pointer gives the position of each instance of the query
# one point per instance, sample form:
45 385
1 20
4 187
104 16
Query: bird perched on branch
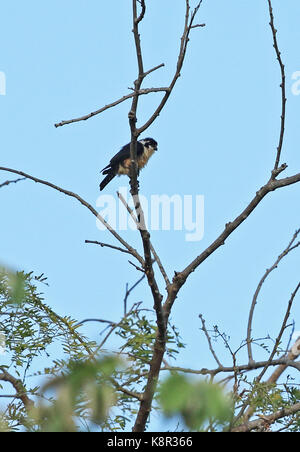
120 163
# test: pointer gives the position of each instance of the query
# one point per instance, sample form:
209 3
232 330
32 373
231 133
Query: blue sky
217 137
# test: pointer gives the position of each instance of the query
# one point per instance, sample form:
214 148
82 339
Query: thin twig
188 26
143 11
272 185
155 255
287 250
114 104
265 421
198 25
107 245
134 308
129 210
238 368
125 391
290 358
139 269
8 182
209 341
131 250
291 355
94 320
282 86
155 69
128 292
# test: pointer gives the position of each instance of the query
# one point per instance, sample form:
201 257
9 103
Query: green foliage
139 332
29 330
81 387
72 384
15 285
83 393
29 325
266 398
197 402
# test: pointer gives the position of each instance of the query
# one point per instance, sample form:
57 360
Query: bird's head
149 143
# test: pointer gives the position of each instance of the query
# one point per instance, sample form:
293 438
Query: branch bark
188 26
265 421
282 86
8 182
21 392
159 346
161 314
115 103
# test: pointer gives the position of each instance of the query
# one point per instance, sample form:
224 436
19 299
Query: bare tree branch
116 325
159 346
82 322
282 329
21 392
188 26
115 103
161 314
209 341
128 292
240 368
143 11
272 185
155 69
288 249
265 421
282 86
154 253
131 250
126 391
8 182
290 357
95 242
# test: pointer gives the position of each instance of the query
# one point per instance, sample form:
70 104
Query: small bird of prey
120 163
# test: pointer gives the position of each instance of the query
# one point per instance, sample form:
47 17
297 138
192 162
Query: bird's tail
106 180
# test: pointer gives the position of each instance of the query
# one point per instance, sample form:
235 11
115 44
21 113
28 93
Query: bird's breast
143 159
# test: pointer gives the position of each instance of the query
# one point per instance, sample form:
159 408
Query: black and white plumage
120 163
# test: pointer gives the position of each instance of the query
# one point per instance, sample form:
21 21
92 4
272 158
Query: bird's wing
123 154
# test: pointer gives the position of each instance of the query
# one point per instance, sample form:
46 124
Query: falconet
120 163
